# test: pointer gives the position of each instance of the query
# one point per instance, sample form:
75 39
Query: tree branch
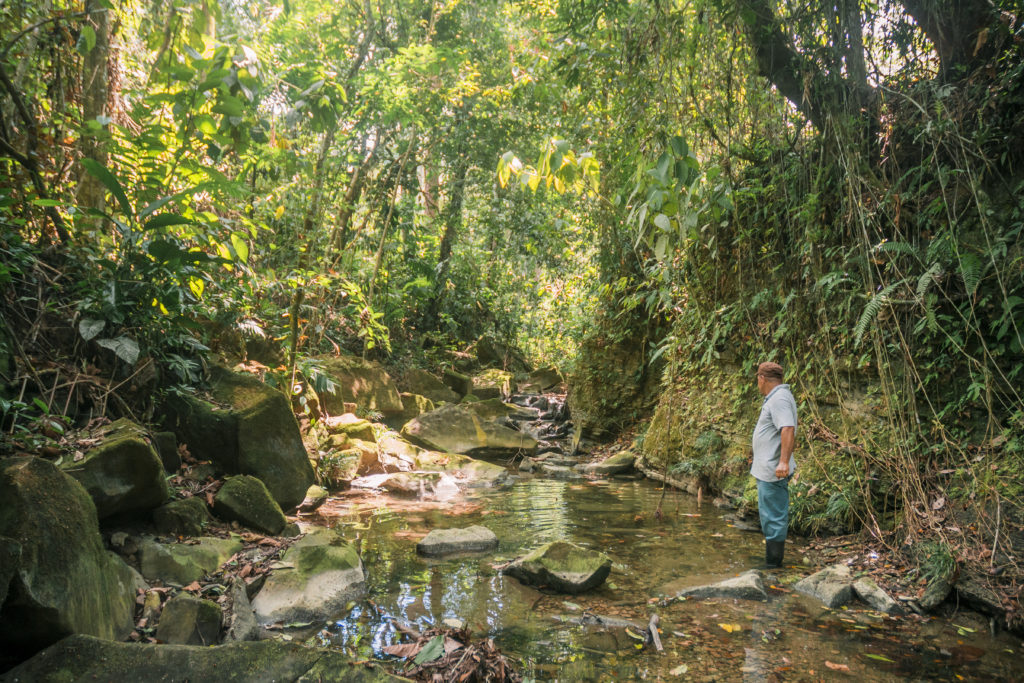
955 28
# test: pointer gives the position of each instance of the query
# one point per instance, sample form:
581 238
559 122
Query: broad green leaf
433 650
661 247
166 219
100 172
663 222
90 327
241 246
679 146
123 347
879 658
86 39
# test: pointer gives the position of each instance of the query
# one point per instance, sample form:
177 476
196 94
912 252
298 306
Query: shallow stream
788 638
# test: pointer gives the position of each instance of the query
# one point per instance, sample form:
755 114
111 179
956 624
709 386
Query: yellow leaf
731 628
196 285
279 212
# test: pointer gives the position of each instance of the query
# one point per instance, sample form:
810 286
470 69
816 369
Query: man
773 442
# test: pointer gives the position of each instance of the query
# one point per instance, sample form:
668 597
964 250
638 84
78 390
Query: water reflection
787 638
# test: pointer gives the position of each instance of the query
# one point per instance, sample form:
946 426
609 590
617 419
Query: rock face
492 384
351 426
246 500
545 378
458 429
185 517
63 581
325 573
457 382
869 592
832 585
562 567
414 405
421 382
123 473
256 434
186 620
747 586
81 658
181 563
443 542
362 382
620 463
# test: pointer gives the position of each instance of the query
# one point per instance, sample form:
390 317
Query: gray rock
362 382
183 563
935 593
559 472
246 500
167 448
123 473
869 591
81 659
562 567
457 382
242 624
186 620
186 517
424 384
747 586
832 585
318 575
442 542
315 497
60 579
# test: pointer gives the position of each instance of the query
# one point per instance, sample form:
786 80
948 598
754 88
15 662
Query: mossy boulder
185 517
186 620
562 567
251 430
444 542
246 500
414 406
620 463
492 384
459 383
81 659
320 573
359 381
338 468
183 563
62 581
544 379
422 383
351 426
123 473
459 429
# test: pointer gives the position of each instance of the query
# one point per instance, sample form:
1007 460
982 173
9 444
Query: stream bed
789 638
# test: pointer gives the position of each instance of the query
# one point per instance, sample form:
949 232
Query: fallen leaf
731 628
193 587
836 667
679 670
405 650
879 658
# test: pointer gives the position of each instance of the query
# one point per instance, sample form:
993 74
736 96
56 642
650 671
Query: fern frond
896 248
871 311
970 271
927 278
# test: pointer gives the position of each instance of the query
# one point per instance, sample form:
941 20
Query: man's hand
782 471
788 437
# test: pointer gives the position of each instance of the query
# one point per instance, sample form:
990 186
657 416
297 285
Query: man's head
769 376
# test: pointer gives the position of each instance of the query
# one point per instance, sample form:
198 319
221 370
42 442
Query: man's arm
788 437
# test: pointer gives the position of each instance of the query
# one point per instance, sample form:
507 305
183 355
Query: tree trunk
94 104
957 29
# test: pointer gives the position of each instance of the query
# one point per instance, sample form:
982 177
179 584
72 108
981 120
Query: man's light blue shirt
778 410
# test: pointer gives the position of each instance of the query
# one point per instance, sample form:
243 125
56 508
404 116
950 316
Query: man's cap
770 370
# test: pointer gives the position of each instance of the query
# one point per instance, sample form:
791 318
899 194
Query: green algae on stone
359 381
64 581
183 563
318 575
246 500
458 429
422 383
492 384
563 567
187 620
185 517
123 473
82 659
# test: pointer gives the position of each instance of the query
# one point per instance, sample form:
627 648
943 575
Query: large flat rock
833 586
83 659
562 567
362 382
747 586
459 429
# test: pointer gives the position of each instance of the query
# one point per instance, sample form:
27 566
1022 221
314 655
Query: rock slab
183 563
459 429
81 659
562 567
318 575
747 586
187 620
443 542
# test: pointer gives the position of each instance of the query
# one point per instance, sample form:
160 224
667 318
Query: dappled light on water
787 638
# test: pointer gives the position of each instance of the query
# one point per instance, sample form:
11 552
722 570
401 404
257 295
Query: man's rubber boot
773 553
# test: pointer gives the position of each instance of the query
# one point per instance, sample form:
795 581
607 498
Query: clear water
789 638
